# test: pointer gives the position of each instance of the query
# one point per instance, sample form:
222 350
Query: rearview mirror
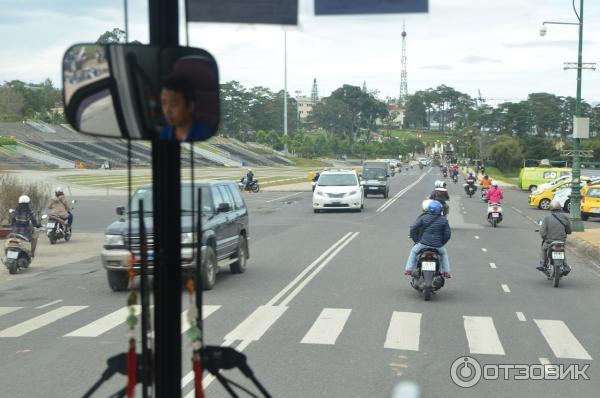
223 208
131 91
121 210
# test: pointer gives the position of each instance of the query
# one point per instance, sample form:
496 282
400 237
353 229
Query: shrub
10 190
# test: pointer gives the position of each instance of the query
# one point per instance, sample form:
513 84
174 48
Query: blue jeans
411 263
70 219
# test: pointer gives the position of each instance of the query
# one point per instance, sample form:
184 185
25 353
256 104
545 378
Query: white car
542 187
338 189
563 195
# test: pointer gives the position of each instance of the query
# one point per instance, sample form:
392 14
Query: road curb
585 249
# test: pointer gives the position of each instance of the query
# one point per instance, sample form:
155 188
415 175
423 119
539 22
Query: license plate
428 266
495 215
558 255
373 188
12 255
50 225
596 210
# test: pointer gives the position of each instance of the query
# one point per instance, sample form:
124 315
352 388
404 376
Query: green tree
507 153
112 36
333 115
415 113
545 109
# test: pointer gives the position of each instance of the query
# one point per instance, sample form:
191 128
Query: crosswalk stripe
8 310
103 324
40 321
404 331
560 339
482 335
327 327
207 310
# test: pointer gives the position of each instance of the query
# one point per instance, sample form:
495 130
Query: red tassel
131 370
198 376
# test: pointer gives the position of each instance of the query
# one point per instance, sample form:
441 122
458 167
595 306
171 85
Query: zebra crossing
403 329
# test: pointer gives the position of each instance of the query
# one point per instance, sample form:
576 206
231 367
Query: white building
305 105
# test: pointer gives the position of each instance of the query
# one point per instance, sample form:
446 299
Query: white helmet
438 183
555 205
24 199
249 169
494 183
425 204
58 190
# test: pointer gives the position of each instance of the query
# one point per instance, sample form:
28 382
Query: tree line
20 101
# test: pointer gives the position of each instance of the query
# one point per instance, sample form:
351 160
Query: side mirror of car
121 210
223 208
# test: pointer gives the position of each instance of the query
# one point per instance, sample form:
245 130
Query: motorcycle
445 174
252 186
470 189
454 178
57 227
483 194
427 277
494 214
555 263
17 253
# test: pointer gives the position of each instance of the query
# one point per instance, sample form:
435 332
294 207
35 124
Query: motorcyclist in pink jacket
494 194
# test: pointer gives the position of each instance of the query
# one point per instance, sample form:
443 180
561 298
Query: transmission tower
314 94
403 78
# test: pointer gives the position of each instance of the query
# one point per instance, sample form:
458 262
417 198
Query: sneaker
446 275
540 268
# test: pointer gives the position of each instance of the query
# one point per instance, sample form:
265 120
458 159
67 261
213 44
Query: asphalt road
324 310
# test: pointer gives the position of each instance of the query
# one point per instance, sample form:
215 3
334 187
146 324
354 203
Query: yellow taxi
590 201
542 199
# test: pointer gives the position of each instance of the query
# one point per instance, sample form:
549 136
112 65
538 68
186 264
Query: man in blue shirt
177 102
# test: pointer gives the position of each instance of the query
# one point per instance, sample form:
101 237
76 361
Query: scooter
57 227
470 189
483 194
455 178
494 214
17 253
426 278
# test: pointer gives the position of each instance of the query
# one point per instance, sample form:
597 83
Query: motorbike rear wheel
52 238
427 293
12 267
255 188
557 273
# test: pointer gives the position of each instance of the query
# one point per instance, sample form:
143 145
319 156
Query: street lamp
575 215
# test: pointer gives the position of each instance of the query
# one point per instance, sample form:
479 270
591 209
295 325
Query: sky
471 45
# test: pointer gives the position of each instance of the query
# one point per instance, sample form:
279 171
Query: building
395 118
305 105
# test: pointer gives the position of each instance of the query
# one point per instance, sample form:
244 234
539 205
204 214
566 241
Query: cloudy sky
491 45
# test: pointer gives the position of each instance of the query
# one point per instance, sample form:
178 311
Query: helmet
24 199
58 190
555 205
494 183
486 177
435 207
437 183
249 169
425 204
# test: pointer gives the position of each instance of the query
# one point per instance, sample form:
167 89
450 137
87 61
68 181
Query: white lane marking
207 310
8 310
327 327
399 194
256 324
505 288
483 249
302 284
40 321
493 265
283 291
517 210
521 316
561 340
404 331
476 237
49 304
103 324
284 197
482 335
206 380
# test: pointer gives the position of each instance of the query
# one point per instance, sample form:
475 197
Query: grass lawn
511 177
300 162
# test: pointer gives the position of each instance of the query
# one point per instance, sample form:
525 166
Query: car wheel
118 280
567 206
585 217
316 210
544 204
242 256
209 269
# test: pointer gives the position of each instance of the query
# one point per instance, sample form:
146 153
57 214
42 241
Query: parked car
590 201
542 200
224 234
